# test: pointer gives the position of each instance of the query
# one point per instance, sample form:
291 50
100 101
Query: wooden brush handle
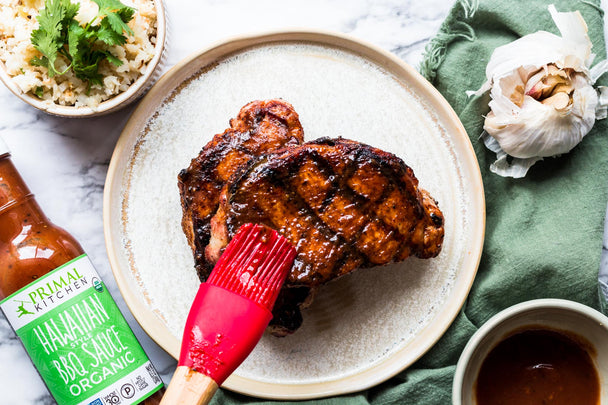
189 387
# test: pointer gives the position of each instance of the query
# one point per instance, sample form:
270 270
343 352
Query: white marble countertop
64 161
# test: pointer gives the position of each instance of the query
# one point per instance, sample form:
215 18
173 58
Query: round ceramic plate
362 328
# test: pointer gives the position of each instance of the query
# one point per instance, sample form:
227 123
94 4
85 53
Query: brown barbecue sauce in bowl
539 366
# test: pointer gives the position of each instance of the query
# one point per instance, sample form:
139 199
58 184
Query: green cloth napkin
543 232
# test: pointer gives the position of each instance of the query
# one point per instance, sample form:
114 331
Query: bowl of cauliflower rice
81 58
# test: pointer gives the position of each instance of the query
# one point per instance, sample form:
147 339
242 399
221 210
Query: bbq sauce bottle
59 307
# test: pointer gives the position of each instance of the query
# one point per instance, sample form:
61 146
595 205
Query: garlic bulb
543 99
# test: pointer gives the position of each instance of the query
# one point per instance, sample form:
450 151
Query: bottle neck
18 208
13 189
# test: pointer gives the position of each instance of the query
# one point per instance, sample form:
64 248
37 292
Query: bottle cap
3 147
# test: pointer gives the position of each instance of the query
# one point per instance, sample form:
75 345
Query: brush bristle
254 264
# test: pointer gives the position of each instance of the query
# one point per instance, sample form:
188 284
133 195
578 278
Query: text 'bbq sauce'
59 307
539 366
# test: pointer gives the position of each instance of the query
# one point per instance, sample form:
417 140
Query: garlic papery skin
542 97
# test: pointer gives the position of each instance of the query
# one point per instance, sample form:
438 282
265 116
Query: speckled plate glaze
362 328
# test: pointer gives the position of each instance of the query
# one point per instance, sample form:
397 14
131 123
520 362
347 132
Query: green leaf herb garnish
39 91
84 47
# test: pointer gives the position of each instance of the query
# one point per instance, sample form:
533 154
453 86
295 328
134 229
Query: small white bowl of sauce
542 351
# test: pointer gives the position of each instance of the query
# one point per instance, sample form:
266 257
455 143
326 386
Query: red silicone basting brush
230 313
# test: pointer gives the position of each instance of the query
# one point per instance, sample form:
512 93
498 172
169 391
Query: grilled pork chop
343 204
260 127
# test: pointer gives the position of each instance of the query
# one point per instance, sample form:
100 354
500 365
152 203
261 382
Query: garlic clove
549 81
559 101
563 88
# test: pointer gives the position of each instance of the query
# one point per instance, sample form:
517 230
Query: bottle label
78 340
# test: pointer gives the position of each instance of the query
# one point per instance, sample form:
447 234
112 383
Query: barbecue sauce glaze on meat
260 127
343 204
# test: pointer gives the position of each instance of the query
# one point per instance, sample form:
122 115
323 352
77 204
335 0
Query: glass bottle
59 307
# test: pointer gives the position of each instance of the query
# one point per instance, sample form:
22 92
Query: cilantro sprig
84 47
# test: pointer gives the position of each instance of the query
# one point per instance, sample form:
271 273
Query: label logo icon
97 285
112 398
22 310
127 391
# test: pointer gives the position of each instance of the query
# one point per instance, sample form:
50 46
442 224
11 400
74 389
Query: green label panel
78 340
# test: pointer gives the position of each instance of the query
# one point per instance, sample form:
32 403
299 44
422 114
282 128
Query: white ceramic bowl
555 314
135 91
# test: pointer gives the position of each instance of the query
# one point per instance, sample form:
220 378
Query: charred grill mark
375 233
325 140
400 206
307 232
340 210
299 195
335 178
282 122
242 173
